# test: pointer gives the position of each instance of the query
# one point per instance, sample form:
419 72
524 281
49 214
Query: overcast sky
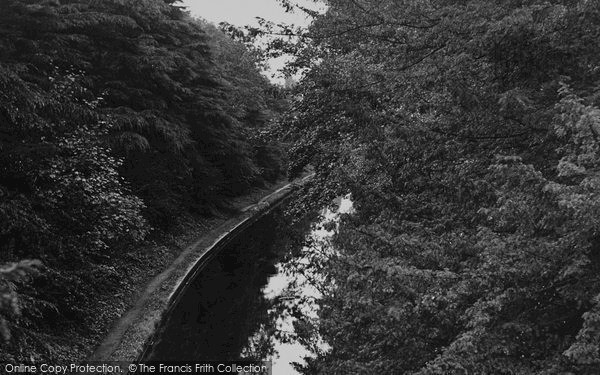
244 12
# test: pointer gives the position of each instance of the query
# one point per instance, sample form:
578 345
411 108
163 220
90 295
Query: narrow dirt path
126 340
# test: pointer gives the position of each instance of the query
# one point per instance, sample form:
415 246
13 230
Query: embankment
127 340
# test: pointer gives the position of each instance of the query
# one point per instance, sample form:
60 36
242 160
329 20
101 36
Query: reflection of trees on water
225 305
225 314
310 281
287 244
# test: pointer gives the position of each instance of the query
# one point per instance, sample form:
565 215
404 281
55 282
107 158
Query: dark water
247 302
225 306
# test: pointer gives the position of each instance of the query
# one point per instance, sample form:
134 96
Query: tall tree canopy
115 117
468 135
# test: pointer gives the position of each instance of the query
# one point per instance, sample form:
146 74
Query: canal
248 301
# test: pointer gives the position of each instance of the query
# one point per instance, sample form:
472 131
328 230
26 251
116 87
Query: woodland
466 132
117 119
468 135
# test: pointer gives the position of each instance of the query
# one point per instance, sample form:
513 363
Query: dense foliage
468 133
116 117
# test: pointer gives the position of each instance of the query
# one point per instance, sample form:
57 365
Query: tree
471 164
115 118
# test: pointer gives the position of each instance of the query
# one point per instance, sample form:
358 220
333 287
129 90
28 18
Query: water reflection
296 287
225 305
251 301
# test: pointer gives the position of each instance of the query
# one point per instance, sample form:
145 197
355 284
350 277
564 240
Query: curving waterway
250 300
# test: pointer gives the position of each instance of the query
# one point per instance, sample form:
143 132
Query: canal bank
127 339
255 299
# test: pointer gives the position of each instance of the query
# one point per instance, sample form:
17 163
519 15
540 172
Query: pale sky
244 12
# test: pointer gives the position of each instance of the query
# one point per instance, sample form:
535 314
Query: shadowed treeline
116 118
